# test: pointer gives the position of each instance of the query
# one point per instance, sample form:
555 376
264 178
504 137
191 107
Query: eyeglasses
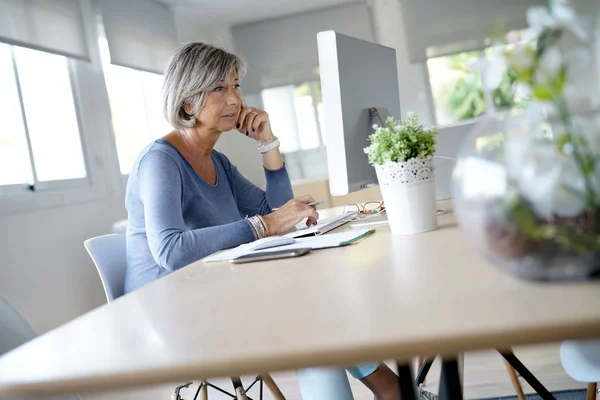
366 209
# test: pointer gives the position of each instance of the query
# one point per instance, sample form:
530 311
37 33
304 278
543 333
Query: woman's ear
187 108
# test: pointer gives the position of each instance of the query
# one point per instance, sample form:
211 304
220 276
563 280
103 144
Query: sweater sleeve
172 245
252 200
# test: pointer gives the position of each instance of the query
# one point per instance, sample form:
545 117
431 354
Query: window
136 108
295 112
40 143
457 89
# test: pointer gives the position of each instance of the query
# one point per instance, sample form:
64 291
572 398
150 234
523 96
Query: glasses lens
372 207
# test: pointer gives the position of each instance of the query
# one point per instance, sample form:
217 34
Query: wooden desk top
386 297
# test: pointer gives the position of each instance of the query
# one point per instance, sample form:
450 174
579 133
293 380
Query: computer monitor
359 79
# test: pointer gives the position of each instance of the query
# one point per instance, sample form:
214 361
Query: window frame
42 186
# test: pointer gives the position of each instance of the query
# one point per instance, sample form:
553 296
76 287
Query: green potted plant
402 154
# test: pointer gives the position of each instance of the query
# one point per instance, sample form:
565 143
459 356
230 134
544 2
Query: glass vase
528 197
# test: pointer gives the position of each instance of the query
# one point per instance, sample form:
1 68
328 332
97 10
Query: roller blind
435 27
55 26
284 50
140 33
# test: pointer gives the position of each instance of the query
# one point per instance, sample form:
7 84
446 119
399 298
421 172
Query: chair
581 361
15 331
108 254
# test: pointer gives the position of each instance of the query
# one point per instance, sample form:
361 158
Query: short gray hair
195 69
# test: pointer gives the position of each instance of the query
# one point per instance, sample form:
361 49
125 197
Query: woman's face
222 106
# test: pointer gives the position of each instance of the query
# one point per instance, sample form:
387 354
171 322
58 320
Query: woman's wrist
266 141
268 221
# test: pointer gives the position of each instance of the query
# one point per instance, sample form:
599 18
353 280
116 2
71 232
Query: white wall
412 78
44 270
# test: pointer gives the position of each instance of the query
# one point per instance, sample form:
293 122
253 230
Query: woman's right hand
294 211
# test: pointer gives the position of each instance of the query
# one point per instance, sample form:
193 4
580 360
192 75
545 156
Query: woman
186 201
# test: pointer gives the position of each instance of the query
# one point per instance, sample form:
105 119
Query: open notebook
323 226
313 242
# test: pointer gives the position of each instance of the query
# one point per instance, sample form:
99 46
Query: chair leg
240 393
272 386
420 361
203 392
515 380
591 391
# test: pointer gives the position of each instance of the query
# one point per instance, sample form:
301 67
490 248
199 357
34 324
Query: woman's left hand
254 123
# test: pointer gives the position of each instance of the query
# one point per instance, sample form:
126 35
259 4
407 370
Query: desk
386 297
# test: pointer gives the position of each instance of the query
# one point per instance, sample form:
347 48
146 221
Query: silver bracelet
263 148
254 231
257 227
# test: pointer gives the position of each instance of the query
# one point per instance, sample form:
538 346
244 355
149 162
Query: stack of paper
314 242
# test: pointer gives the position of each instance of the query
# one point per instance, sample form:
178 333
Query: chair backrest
15 331
108 253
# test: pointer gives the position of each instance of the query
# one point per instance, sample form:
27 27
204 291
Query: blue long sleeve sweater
176 218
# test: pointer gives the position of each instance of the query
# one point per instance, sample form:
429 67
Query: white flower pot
408 190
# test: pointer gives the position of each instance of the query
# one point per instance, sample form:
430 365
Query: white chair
581 361
108 254
15 331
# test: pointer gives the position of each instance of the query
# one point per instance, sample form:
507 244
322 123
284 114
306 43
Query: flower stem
580 158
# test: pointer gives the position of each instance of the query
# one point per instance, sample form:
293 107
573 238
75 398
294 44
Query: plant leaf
542 92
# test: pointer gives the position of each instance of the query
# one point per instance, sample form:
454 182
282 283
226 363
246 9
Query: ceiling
233 12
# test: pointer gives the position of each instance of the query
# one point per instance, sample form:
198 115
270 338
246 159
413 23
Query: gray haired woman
186 200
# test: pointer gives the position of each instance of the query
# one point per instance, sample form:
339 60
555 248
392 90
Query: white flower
496 68
551 182
549 67
561 17
522 56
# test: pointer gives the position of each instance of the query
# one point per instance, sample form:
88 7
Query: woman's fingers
241 126
309 212
250 117
305 199
260 119
311 221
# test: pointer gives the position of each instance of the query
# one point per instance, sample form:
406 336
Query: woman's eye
237 86
218 89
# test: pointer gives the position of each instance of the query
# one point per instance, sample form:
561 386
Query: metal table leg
405 380
450 387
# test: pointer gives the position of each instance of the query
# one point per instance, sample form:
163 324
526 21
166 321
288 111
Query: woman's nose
235 97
